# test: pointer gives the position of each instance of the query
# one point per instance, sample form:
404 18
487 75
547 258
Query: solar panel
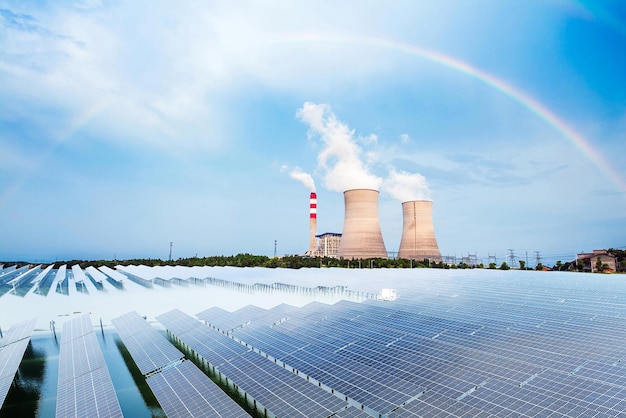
12 348
10 359
280 391
185 391
352 412
18 332
150 350
84 385
178 322
277 389
455 343
220 318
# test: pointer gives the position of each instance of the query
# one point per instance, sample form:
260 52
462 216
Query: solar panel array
180 387
213 347
150 350
85 388
185 391
12 348
455 343
270 386
462 350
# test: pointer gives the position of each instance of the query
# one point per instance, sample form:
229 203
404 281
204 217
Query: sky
127 126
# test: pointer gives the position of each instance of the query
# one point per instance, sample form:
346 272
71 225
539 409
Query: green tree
492 266
522 265
539 267
504 266
599 266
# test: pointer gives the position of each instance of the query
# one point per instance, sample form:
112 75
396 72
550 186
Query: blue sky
125 126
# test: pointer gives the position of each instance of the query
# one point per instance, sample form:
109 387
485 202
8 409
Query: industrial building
362 237
328 244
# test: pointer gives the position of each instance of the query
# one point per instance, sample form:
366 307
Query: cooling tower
313 224
361 237
418 234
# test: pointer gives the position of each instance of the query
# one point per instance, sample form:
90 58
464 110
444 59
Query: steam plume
304 178
340 159
405 186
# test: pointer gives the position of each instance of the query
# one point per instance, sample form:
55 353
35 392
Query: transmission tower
492 257
527 259
171 243
511 257
275 242
537 258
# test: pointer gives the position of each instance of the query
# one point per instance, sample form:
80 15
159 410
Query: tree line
297 261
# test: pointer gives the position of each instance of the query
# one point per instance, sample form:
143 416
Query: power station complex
362 237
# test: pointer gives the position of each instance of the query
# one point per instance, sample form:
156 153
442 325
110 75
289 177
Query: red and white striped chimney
313 224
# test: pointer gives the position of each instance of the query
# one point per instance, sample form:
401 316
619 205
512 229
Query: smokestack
418 234
361 236
313 224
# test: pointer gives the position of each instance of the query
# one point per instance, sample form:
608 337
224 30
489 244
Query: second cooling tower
361 237
418 234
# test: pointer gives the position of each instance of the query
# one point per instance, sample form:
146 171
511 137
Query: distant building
328 244
590 260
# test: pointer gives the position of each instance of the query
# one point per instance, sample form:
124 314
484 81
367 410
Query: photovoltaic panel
226 321
280 391
185 391
84 384
220 318
477 342
12 348
213 346
381 391
150 350
18 332
249 313
270 341
10 358
179 322
435 405
352 412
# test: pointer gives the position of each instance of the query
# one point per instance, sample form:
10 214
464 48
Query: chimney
313 224
361 237
418 233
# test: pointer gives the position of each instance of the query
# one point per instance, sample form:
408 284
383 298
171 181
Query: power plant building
418 240
328 244
361 237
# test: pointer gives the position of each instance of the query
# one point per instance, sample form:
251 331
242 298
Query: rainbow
524 99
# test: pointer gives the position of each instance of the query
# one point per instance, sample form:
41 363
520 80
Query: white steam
405 186
340 159
345 165
305 178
